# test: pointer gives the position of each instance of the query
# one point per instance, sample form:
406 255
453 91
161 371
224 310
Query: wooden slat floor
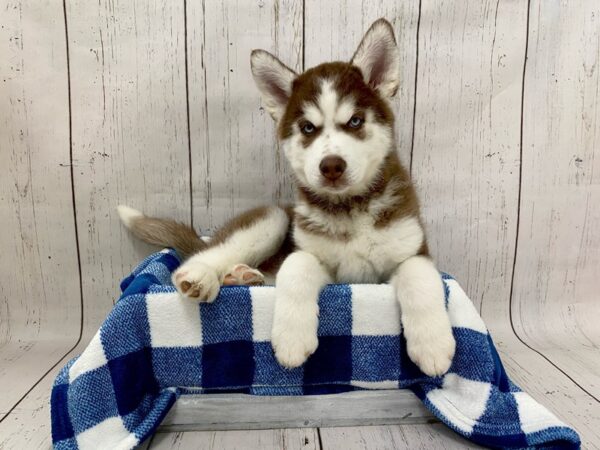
27 425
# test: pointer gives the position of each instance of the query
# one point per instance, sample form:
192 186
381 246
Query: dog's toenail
195 293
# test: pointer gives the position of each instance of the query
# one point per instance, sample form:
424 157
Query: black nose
332 167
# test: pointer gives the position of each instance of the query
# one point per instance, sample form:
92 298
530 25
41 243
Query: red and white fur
356 217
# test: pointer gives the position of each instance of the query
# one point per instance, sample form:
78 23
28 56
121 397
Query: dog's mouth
335 186
340 183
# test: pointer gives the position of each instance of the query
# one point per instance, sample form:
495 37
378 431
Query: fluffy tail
161 232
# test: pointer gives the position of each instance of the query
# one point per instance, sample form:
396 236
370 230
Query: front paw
197 281
431 351
294 333
293 347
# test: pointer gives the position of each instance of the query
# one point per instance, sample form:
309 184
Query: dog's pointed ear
378 59
274 80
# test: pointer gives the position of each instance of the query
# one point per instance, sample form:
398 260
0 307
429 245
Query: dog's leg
249 239
296 317
420 291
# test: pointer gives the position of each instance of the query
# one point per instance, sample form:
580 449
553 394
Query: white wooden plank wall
466 146
129 127
40 303
241 167
556 298
152 104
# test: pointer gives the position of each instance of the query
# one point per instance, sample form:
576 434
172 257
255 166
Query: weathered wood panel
555 302
466 149
333 30
239 411
289 439
39 283
28 425
130 141
235 161
392 437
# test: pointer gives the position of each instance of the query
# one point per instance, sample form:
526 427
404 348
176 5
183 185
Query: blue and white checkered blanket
154 345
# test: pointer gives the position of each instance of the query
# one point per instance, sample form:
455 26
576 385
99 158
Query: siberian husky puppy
356 216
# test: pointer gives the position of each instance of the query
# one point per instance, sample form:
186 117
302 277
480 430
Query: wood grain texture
391 437
24 363
556 302
333 30
28 425
235 161
466 150
239 411
130 140
288 439
39 284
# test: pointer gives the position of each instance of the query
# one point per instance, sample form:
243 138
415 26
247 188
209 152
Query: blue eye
307 128
355 122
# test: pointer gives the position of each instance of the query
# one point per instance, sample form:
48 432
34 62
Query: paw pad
244 275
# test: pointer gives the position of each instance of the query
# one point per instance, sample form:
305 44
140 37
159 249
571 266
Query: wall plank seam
187 108
414 112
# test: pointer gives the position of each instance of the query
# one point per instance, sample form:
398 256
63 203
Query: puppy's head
334 122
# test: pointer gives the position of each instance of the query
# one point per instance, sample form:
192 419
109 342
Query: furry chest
355 251
352 260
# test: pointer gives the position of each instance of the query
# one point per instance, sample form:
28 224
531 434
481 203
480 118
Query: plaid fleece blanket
154 345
